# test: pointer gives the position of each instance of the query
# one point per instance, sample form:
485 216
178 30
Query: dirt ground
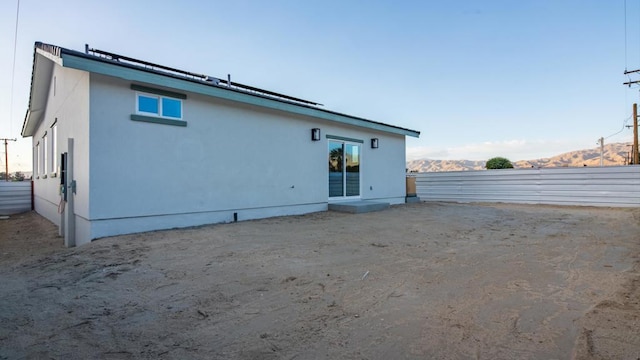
420 281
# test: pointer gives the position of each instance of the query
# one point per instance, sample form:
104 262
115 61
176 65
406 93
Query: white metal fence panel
590 186
15 197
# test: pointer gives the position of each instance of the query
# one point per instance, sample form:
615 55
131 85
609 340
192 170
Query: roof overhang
91 64
43 63
46 56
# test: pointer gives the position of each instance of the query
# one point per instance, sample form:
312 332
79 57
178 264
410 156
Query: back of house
122 145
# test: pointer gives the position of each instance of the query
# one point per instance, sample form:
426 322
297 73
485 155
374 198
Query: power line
624 124
13 70
625 36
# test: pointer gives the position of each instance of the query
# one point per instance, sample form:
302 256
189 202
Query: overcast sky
521 79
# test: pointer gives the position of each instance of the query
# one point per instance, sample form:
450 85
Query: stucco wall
230 158
68 107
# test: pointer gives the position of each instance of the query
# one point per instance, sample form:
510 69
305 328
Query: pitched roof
110 64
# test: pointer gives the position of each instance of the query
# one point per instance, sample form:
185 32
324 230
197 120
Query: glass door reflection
352 167
344 169
336 169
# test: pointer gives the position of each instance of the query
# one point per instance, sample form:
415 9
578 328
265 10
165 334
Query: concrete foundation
358 207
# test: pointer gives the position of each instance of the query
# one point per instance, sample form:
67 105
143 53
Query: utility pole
6 158
601 142
636 156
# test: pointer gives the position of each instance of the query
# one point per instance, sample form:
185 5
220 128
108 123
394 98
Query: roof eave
80 61
43 63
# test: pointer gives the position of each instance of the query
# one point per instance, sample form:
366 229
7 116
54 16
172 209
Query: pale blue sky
522 79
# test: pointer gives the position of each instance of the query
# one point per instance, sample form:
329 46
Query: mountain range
614 154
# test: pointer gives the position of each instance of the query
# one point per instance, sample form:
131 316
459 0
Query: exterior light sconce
315 134
374 143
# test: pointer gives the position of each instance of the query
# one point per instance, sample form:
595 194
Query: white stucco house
148 147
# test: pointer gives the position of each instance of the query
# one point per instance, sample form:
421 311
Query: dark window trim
158 120
342 138
160 92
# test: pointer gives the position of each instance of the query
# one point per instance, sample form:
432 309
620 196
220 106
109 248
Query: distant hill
614 154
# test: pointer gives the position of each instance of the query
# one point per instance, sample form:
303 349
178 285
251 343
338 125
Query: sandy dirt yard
420 281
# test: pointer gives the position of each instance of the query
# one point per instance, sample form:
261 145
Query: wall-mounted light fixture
374 143
315 134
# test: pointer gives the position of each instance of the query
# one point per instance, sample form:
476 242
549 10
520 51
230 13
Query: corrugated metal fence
591 186
15 197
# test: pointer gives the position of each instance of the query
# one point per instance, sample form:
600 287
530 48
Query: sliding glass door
344 169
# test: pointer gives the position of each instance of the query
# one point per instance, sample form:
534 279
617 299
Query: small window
148 104
45 156
155 105
36 160
171 108
54 148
